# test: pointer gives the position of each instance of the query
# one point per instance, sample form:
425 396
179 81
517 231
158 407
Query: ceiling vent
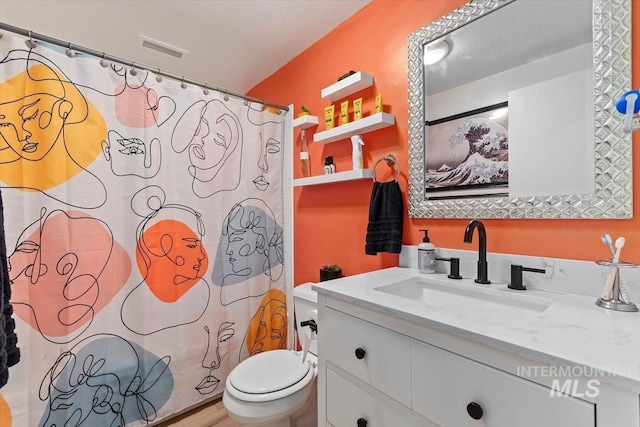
159 46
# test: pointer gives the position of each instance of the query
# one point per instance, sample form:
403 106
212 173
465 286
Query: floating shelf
351 175
305 122
358 127
347 86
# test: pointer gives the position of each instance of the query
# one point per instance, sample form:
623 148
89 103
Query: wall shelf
351 175
358 127
305 122
347 86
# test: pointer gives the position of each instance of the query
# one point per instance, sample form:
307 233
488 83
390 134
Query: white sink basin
451 293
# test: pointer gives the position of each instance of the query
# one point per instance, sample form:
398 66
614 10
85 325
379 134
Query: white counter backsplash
564 275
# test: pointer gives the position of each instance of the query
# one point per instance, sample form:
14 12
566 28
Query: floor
210 415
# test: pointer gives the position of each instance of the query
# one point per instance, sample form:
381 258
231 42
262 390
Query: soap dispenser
426 255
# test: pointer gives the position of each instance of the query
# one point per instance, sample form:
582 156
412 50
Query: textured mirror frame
613 163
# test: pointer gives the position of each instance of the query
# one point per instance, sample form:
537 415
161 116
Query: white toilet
275 388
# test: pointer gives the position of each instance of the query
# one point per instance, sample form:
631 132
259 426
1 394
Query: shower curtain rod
113 58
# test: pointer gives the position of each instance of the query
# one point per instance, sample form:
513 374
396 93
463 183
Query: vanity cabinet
377 370
349 405
451 390
374 355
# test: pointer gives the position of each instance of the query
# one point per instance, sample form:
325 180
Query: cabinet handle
362 422
360 355
475 411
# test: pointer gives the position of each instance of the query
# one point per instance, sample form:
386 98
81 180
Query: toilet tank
304 300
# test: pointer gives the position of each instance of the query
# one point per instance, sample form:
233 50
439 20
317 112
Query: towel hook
391 160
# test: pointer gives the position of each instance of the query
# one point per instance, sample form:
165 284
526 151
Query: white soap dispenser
426 255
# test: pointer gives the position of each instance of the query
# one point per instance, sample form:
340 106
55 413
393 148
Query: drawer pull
475 411
360 355
362 422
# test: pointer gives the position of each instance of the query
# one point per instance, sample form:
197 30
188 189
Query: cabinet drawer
347 403
383 359
445 383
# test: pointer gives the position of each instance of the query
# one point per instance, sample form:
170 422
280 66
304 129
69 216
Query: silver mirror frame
613 163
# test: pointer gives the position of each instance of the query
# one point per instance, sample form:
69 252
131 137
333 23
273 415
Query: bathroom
330 221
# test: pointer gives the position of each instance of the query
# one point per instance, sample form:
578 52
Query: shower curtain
144 238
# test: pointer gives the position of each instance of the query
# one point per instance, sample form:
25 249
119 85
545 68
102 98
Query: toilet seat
269 376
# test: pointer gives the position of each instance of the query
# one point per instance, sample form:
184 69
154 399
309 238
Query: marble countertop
571 331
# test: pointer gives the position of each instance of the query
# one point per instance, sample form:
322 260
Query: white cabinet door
350 406
375 355
446 387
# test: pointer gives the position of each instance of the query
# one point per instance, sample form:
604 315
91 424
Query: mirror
540 124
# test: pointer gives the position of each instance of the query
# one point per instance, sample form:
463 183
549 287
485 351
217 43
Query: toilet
275 388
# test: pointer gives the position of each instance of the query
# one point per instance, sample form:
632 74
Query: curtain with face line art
144 232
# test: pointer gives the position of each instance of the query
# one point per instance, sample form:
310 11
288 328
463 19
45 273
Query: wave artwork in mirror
512 111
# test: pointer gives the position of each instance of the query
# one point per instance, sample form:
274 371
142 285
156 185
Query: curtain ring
205 91
183 85
133 70
159 76
103 62
30 43
226 95
70 53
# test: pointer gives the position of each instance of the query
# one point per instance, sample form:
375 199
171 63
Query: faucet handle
455 267
516 276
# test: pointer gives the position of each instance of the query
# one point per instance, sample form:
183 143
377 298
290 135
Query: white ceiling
232 44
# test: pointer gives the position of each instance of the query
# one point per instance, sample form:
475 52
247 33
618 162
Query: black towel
384 232
9 351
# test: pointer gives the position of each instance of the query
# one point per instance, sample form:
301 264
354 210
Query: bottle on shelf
304 155
329 167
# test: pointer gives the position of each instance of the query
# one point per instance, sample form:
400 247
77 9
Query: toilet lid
268 372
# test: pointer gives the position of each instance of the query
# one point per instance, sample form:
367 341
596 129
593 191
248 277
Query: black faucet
482 249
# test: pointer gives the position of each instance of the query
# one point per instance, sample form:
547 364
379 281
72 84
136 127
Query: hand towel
9 351
386 213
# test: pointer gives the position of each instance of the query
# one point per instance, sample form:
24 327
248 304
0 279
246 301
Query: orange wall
331 220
